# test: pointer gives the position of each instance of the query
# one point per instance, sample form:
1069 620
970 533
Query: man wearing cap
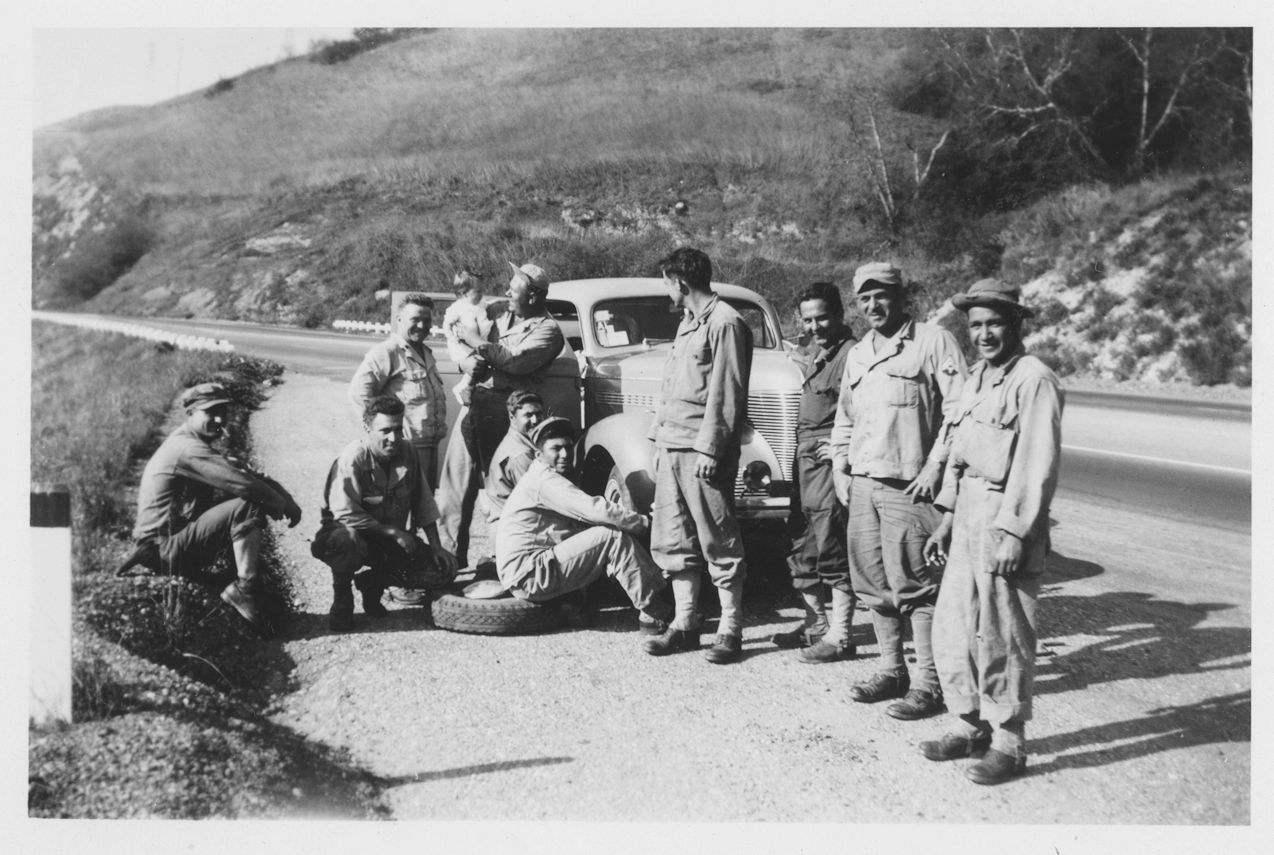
696 430
553 538
515 452
1005 451
182 526
897 396
524 340
376 499
404 366
818 558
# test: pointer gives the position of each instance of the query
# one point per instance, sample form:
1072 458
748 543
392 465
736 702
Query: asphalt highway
1172 458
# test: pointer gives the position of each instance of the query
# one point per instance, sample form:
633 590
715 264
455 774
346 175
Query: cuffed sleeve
560 496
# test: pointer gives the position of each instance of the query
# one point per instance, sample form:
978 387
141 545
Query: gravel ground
1143 718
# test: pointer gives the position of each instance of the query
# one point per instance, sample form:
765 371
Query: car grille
773 414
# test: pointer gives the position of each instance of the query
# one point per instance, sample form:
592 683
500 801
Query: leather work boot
146 556
953 746
996 767
826 651
672 641
239 596
340 617
917 704
372 606
802 636
880 687
726 649
650 625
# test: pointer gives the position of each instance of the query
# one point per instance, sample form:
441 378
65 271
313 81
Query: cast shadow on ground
1226 718
469 771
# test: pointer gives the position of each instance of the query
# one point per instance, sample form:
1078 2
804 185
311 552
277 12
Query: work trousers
584 558
887 535
693 525
817 526
457 494
197 546
984 634
346 551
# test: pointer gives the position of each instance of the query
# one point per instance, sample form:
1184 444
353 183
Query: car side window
754 317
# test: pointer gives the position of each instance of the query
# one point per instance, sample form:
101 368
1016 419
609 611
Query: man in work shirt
524 341
1005 451
403 366
818 556
515 453
376 500
696 429
899 390
182 527
553 538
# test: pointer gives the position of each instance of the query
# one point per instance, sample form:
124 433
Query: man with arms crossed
696 430
899 390
1005 450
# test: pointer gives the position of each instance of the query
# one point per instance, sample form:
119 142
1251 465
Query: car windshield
653 320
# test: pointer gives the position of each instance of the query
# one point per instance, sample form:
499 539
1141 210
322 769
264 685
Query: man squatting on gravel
376 498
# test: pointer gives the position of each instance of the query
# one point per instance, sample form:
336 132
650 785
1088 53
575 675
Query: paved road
1167 457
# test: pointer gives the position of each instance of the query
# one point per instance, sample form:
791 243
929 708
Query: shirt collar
696 320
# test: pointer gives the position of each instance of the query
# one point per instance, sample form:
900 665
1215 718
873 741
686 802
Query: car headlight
756 476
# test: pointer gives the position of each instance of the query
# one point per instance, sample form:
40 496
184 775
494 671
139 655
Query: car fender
621 439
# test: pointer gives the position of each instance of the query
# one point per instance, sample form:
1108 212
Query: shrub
222 86
99 258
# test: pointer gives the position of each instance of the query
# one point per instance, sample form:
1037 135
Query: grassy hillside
303 191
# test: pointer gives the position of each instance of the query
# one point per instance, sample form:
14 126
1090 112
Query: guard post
50 604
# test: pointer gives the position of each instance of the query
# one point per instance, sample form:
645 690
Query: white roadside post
50 604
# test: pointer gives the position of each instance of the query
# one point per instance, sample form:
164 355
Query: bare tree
872 155
1141 50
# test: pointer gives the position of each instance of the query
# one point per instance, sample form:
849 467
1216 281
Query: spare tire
505 616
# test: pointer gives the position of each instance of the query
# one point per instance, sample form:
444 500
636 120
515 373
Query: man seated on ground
553 538
183 525
515 453
376 499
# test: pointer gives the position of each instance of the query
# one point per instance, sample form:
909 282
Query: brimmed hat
880 272
203 396
992 294
552 428
533 274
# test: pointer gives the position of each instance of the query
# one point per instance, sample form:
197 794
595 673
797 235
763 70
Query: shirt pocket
902 384
985 440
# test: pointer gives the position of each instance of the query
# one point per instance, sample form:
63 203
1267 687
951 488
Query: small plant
222 86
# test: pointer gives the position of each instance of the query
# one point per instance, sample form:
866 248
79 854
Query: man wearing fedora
898 393
523 341
553 538
1005 450
193 502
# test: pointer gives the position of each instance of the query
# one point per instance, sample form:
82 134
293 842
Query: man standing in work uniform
1005 451
818 556
899 390
696 430
404 366
524 341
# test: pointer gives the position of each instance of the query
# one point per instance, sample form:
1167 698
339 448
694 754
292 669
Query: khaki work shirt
1008 432
895 401
393 367
523 346
513 456
704 400
181 481
820 389
543 510
366 493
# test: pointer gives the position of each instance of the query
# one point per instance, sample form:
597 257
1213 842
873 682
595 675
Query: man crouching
553 538
374 501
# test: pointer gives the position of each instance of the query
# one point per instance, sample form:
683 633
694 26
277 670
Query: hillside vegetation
302 191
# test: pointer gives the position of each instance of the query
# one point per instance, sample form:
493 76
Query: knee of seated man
336 545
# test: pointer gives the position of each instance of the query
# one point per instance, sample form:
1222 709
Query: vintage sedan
621 331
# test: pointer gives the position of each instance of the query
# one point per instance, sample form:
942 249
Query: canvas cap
992 294
552 428
533 273
204 395
881 272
